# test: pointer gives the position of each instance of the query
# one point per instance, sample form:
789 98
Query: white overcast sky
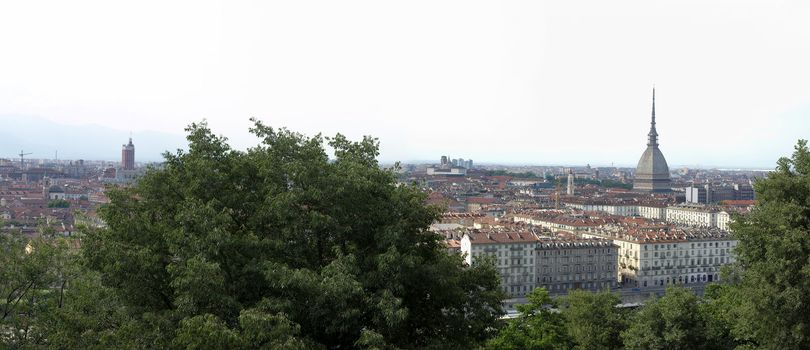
563 82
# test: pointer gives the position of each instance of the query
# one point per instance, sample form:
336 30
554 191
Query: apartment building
565 264
555 220
650 211
658 257
513 254
526 261
692 215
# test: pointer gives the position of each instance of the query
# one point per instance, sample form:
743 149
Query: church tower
652 172
128 156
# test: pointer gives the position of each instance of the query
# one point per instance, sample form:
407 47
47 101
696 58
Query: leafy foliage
58 203
672 322
592 320
769 304
33 277
536 328
220 244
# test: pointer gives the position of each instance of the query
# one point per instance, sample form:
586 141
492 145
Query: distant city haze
498 82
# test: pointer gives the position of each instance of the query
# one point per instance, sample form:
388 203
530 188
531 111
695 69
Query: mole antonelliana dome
652 172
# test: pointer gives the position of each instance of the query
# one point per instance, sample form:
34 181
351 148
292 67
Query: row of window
576 268
692 245
522 290
684 279
577 277
668 272
699 261
721 251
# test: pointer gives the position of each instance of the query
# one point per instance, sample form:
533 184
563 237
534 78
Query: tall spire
653 135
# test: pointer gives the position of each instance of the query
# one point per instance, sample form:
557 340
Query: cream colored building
692 215
652 212
678 256
647 210
612 209
723 219
557 221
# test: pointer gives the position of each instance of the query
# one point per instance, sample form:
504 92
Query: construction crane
557 195
22 158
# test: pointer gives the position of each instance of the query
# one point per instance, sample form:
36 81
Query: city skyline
426 174
152 145
507 83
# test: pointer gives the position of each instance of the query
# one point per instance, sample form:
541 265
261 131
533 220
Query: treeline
587 320
517 175
281 247
528 175
606 183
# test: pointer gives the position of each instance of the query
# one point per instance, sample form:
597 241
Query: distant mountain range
43 138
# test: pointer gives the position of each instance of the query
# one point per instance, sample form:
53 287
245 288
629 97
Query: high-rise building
708 193
652 172
744 191
128 156
696 194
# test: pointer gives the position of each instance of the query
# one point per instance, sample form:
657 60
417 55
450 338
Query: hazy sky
563 82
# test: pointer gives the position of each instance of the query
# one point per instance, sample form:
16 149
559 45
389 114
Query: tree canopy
536 328
592 320
33 277
280 246
672 322
768 300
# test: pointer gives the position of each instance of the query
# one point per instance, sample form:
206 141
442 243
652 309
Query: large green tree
673 322
281 246
34 275
538 327
592 320
767 303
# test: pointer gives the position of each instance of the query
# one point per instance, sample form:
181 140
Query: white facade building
659 258
692 215
652 212
451 171
723 219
